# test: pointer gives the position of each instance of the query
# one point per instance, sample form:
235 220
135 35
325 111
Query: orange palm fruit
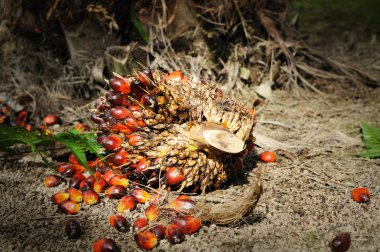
361 195
173 234
90 197
175 75
119 222
139 224
119 180
140 195
159 231
75 194
146 240
187 224
151 212
105 245
182 205
115 192
268 156
58 197
99 185
126 203
69 207
52 181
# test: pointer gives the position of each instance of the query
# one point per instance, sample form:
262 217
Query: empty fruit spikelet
186 127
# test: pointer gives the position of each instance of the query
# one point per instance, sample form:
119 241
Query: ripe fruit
82 127
140 195
69 207
99 185
146 240
139 224
120 157
108 175
120 113
268 156
51 120
159 231
187 224
58 197
111 142
182 205
174 176
115 192
137 88
136 140
156 199
341 243
117 99
146 77
360 195
119 180
174 234
52 180
134 108
90 197
76 180
126 203
73 229
119 222
149 101
131 123
96 118
105 245
75 194
175 75
142 166
119 84
151 212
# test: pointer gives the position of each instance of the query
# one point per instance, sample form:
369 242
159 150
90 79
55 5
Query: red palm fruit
146 77
111 142
105 245
73 229
76 180
268 156
99 185
173 234
138 88
58 197
151 212
149 101
120 112
131 123
156 199
159 231
119 222
117 99
104 168
119 127
73 159
90 197
120 85
175 75
96 118
108 175
140 195
115 192
51 120
120 157
126 203
146 240
52 181
139 224
85 185
182 205
75 194
72 170
187 224
341 243
142 166
119 180
134 108
80 126
62 167
91 179
136 140
174 176
69 207
360 195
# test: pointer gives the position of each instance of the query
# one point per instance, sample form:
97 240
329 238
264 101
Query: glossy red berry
120 85
182 205
75 194
115 192
174 176
52 181
58 197
187 224
109 174
117 99
341 243
105 245
146 77
151 212
146 240
69 207
126 203
119 222
73 229
96 118
268 156
52 119
99 185
140 195
149 101
142 166
136 140
138 88
111 142
174 235
119 180
159 231
120 157
361 195
139 224
131 123
120 112
90 197
76 180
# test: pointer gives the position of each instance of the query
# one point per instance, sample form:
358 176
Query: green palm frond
371 137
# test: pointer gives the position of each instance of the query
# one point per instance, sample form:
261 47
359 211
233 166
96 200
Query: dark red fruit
52 119
117 99
115 192
126 203
187 224
119 222
73 229
146 77
174 176
76 180
52 181
120 112
120 157
120 85
142 166
149 101
111 142
58 197
134 108
140 195
69 207
90 197
174 234
341 243
96 118
139 224
146 240
159 231
105 245
183 205
138 88
131 123
109 174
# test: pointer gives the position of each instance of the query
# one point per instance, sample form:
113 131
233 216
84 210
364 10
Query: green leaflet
78 143
371 137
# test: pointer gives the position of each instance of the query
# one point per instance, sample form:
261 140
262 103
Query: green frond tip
371 138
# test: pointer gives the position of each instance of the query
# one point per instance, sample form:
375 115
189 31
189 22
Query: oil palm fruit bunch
171 130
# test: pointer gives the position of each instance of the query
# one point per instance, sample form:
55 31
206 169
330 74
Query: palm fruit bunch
172 131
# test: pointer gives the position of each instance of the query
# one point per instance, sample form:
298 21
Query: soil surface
306 200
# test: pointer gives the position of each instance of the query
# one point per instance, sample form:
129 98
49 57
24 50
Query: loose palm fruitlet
172 130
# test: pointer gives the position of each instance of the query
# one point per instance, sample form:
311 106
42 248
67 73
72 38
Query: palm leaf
371 137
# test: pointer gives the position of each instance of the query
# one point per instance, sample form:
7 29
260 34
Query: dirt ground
306 200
